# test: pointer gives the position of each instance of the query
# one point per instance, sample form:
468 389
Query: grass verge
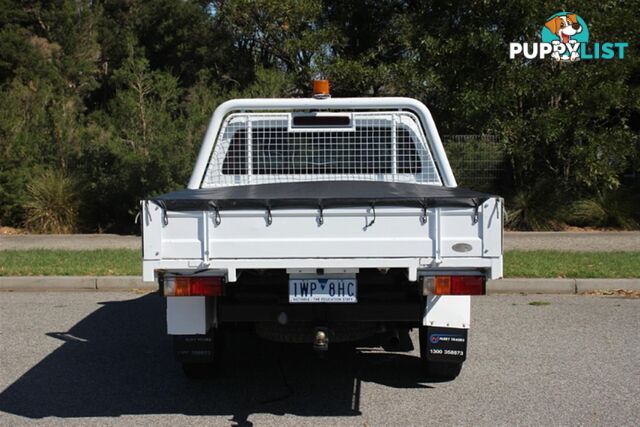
125 262
53 262
584 265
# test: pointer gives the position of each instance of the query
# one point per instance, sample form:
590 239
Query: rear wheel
198 371
433 370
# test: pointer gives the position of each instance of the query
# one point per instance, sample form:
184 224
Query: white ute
323 220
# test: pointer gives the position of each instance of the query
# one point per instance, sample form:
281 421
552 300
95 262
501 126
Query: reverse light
184 286
454 285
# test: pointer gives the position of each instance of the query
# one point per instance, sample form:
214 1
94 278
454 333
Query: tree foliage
115 95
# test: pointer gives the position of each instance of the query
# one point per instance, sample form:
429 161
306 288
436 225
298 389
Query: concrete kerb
47 283
534 286
586 285
559 286
115 283
74 283
127 283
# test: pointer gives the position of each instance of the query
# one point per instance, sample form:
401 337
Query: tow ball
321 339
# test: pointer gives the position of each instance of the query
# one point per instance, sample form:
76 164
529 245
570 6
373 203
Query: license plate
323 290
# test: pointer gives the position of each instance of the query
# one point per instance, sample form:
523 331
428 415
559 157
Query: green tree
139 136
47 68
116 95
372 54
569 125
290 35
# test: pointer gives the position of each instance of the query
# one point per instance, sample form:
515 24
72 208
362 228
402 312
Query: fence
478 161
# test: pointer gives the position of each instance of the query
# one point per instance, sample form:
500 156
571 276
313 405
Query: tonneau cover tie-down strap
373 220
161 203
217 220
425 216
269 216
476 204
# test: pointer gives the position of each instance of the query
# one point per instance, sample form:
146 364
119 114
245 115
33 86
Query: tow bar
321 339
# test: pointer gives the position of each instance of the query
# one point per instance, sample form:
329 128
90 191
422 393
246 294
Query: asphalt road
103 358
563 241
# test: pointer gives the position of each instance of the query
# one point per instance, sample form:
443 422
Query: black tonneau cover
320 194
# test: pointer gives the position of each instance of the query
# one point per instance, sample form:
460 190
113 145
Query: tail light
454 285
183 286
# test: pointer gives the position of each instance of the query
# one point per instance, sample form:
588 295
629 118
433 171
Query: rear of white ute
323 220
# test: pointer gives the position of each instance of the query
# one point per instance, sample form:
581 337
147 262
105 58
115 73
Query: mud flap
445 344
195 348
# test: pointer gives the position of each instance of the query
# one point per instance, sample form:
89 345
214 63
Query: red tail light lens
467 285
192 286
209 286
457 285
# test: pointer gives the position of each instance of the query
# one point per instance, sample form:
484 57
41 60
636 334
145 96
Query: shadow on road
119 361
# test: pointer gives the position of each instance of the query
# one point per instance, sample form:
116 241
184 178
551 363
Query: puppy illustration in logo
565 28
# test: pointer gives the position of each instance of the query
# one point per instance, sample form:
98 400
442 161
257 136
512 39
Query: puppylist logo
565 37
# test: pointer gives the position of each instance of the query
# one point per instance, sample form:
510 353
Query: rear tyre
441 371
438 371
198 371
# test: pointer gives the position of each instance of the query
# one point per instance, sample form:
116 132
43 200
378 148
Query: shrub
586 213
52 203
613 209
535 209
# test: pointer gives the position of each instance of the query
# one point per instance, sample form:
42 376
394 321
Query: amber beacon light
321 89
